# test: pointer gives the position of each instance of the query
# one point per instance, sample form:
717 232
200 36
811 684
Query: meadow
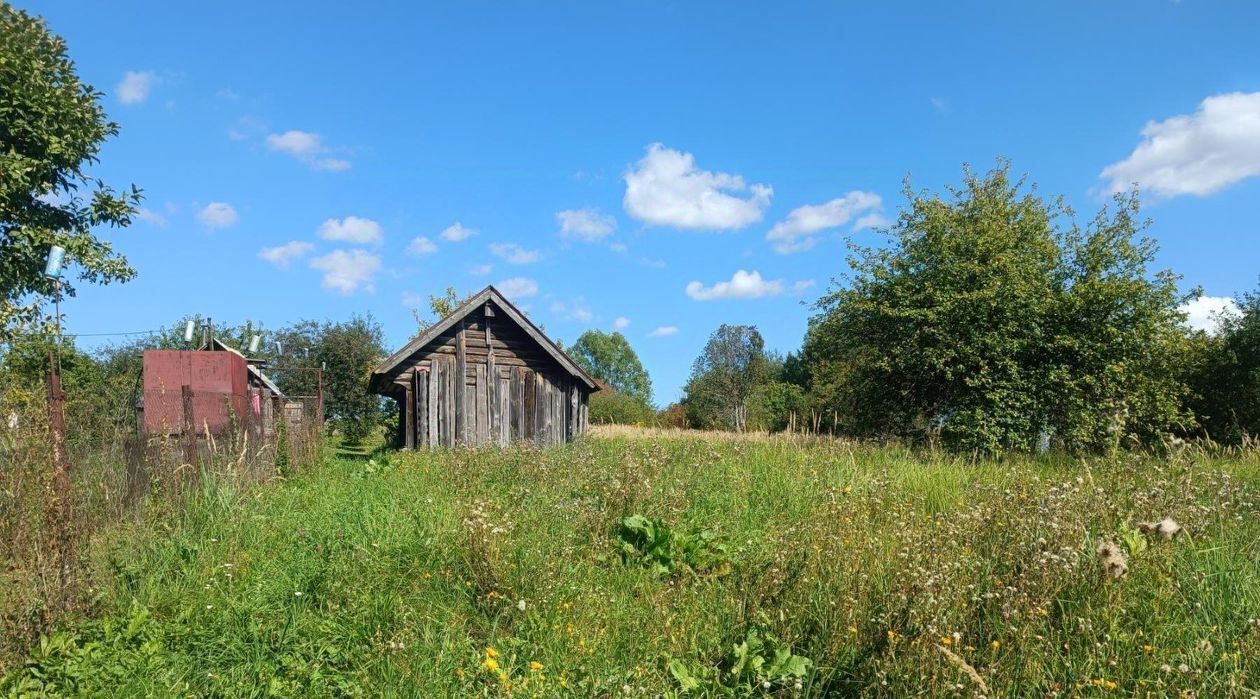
669 564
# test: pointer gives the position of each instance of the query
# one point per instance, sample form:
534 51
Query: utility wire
117 334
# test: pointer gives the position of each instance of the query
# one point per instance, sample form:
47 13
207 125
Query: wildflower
1166 528
535 665
491 652
521 605
995 644
490 664
1113 561
297 594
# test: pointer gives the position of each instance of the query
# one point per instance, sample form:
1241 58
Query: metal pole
57 305
61 510
319 377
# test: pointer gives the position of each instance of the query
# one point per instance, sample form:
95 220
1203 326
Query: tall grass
501 573
115 478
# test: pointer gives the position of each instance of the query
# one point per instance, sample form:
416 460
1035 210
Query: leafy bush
757 664
674 416
620 409
774 403
1226 384
653 544
993 320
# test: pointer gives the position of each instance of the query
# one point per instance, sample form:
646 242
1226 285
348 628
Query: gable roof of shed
390 365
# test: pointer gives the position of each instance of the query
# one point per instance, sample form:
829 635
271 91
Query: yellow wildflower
490 664
535 665
996 644
491 652
946 640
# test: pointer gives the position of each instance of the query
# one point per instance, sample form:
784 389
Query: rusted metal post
319 377
190 426
61 511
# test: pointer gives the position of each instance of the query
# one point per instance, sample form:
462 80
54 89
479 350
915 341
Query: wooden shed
485 375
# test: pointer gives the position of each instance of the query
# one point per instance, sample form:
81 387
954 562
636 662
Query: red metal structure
220 390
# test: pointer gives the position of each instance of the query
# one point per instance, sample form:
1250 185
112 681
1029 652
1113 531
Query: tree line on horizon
991 321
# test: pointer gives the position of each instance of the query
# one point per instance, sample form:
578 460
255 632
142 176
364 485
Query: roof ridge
490 293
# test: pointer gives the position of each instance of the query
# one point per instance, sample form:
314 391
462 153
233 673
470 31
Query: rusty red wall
219 380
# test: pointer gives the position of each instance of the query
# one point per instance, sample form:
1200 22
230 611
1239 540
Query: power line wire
114 334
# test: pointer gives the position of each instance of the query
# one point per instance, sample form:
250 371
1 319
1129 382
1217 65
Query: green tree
349 351
610 358
620 409
1226 383
723 378
294 363
773 405
994 320
52 127
439 308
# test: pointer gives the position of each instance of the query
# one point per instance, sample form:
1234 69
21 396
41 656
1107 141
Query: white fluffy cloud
586 224
514 254
802 286
282 255
1198 153
743 285
135 86
217 214
421 245
666 189
346 271
798 231
1204 312
457 232
299 144
578 310
621 323
153 217
480 270
308 148
664 331
518 287
352 229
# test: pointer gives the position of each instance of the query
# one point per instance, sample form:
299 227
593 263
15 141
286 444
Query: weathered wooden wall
485 381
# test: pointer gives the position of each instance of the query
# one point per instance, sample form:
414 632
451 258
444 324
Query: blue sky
658 167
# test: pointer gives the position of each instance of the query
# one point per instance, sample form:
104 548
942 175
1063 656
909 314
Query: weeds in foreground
854 571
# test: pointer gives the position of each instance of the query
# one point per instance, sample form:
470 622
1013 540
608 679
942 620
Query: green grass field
757 568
